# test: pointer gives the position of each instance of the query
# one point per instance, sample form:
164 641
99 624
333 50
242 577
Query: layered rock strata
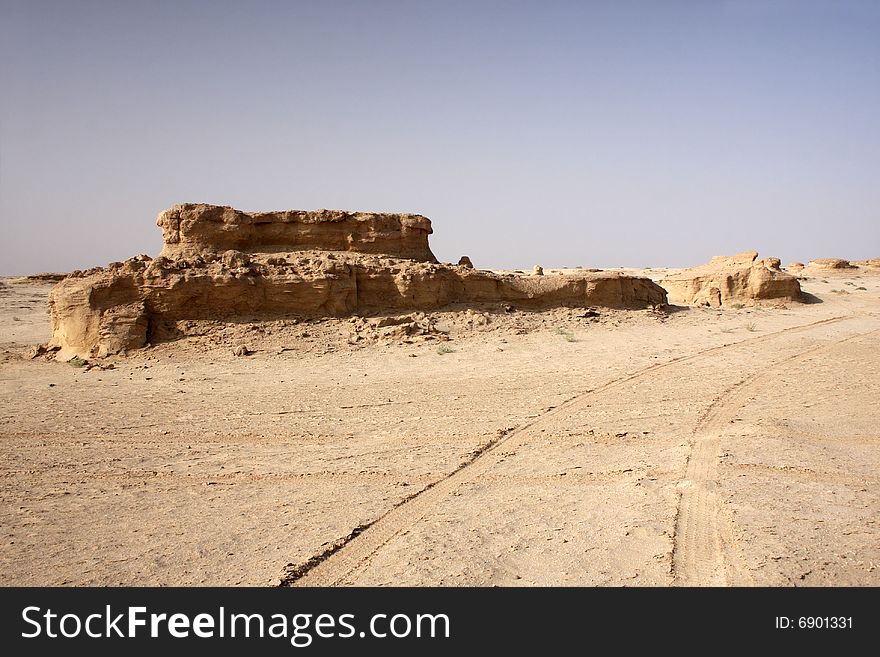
193 229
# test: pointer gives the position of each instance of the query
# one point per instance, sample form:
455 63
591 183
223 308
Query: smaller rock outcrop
831 263
732 279
873 263
46 277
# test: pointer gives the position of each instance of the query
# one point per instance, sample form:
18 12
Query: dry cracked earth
700 447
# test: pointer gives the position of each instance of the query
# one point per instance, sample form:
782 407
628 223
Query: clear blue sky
561 133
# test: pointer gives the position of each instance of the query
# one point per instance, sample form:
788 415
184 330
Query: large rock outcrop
124 305
194 229
732 279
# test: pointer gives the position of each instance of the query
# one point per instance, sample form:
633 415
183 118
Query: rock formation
196 229
830 263
306 264
795 266
46 277
732 279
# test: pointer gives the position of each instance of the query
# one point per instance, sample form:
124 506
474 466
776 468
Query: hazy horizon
596 134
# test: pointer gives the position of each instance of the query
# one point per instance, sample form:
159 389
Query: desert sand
470 445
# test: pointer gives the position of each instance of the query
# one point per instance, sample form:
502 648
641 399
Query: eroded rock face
198 276
196 229
732 279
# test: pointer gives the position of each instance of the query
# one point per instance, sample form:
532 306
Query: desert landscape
311 399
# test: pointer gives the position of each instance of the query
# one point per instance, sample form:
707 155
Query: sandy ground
630 448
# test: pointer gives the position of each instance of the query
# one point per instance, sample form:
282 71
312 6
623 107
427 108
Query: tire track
348 553
808 474
697 556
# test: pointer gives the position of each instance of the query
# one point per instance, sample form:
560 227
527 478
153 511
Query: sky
595 134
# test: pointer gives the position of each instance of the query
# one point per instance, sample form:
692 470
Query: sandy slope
703 447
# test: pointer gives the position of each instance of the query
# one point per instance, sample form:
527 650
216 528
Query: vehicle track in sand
705 552
347 554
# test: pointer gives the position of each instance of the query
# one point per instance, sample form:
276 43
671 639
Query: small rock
241 350
231 259
538 270
464 261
